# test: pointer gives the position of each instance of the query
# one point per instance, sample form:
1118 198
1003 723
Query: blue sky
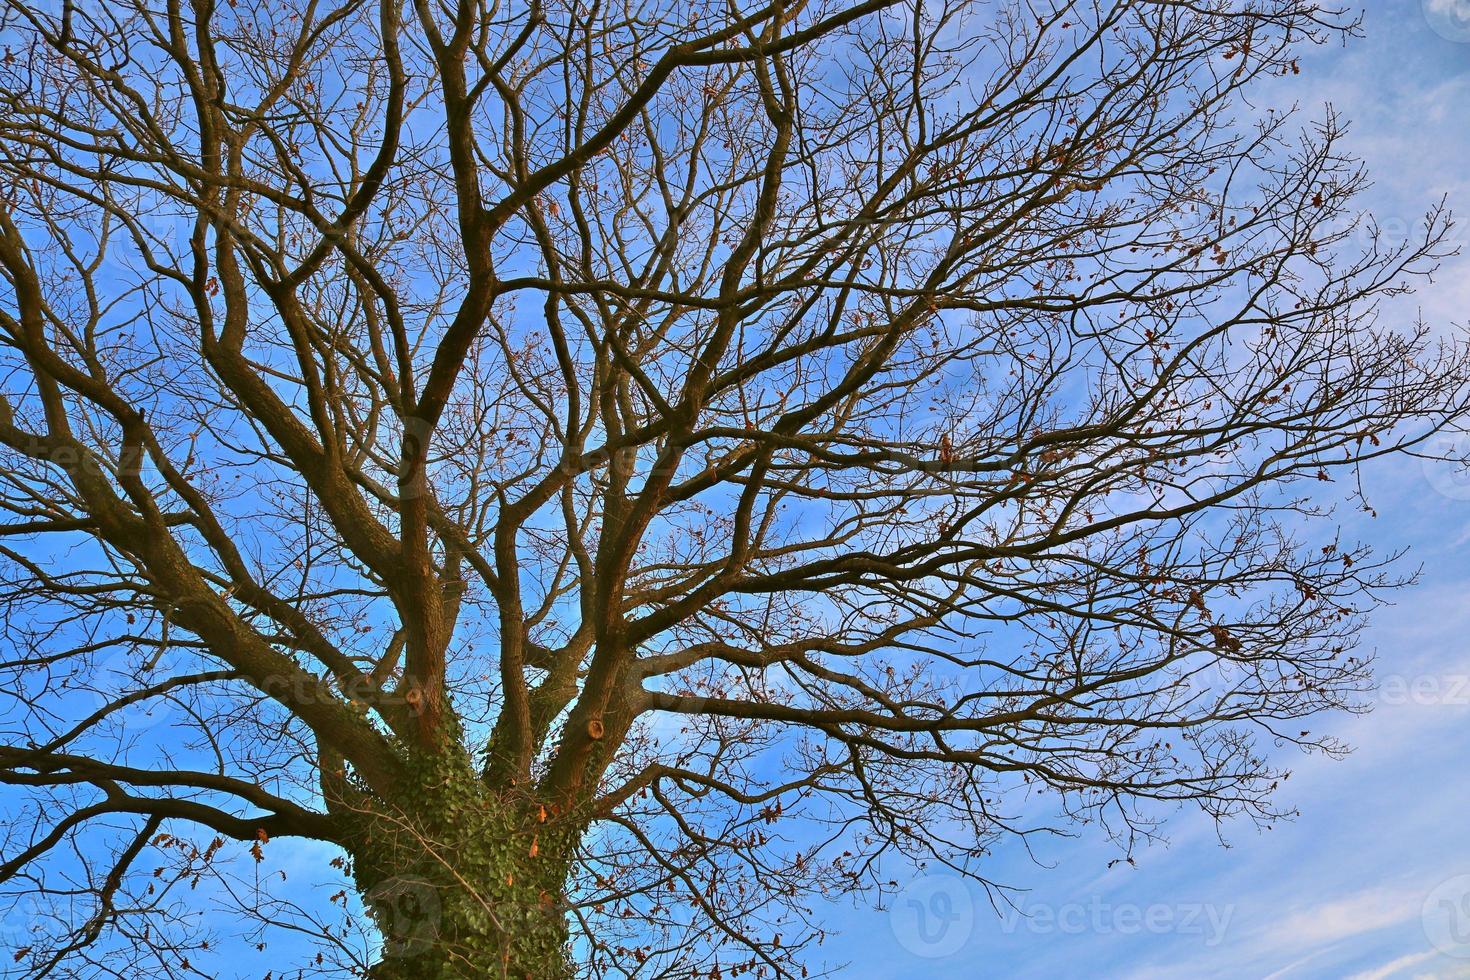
1373 879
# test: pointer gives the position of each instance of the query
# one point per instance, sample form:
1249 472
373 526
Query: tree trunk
463 882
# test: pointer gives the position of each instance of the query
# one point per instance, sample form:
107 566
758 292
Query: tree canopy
621 473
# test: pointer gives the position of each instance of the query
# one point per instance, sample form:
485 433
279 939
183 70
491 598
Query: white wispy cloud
1393 967
1343 918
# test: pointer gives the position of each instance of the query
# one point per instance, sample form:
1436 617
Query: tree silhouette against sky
622 473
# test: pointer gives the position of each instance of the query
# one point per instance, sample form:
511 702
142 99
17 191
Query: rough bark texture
462 881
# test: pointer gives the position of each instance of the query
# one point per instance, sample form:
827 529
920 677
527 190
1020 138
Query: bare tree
618 471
